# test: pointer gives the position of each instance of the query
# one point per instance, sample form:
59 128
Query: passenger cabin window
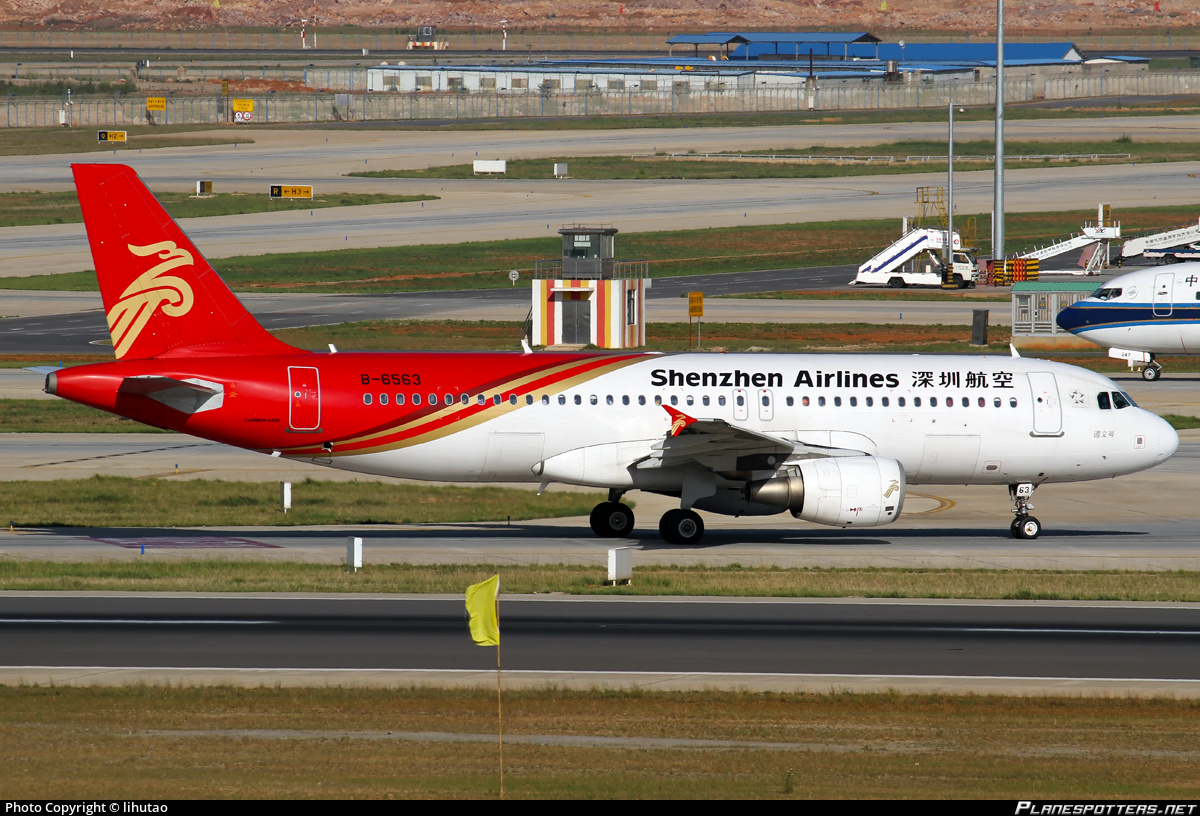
366 399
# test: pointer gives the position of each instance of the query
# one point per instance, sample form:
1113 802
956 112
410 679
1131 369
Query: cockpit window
1103 401
1106 294
1121 400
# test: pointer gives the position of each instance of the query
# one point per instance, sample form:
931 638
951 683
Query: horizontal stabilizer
190 396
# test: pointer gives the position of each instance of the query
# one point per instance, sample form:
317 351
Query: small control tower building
588 296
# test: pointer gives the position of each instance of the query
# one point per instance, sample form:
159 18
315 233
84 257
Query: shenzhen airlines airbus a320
832 439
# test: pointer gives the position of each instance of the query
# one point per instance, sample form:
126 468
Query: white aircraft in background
833 439
1142 314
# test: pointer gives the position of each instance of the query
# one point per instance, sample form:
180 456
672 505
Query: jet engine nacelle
843 491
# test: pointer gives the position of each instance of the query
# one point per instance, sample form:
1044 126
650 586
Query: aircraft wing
716 445
190 396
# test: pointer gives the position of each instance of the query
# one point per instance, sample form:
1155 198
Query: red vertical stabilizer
161 296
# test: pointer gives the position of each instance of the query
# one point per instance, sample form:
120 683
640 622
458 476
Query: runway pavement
759 644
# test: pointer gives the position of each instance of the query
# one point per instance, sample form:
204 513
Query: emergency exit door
304 399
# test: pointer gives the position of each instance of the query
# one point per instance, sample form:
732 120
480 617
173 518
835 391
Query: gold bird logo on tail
149 291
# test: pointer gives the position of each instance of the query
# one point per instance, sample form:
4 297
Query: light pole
998 173
948 249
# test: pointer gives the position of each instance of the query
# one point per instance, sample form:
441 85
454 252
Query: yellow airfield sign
695 304
156 103
110 135
291 191
242 105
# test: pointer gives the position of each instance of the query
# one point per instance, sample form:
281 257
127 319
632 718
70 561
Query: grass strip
61 416
40 141
143 742
162 500
30 208
135 573
969 155
486 264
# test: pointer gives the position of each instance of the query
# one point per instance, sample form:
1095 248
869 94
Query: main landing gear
611 519
1024 525
681 527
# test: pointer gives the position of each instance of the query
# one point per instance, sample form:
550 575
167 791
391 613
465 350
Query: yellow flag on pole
481 605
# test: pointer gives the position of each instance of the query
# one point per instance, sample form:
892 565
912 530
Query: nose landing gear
1024 525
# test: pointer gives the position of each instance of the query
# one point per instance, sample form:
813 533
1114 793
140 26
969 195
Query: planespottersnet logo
1097 809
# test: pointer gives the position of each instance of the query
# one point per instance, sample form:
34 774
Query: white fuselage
946 419
1154 310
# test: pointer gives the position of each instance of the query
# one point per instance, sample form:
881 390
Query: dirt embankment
971 16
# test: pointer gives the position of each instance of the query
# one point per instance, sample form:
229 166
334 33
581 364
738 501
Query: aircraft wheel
1026 527
611 520
1151 373
681 527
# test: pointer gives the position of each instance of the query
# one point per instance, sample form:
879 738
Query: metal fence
328 107
324 107
1157 83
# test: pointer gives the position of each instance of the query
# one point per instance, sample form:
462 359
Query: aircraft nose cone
1167 439
1073 318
